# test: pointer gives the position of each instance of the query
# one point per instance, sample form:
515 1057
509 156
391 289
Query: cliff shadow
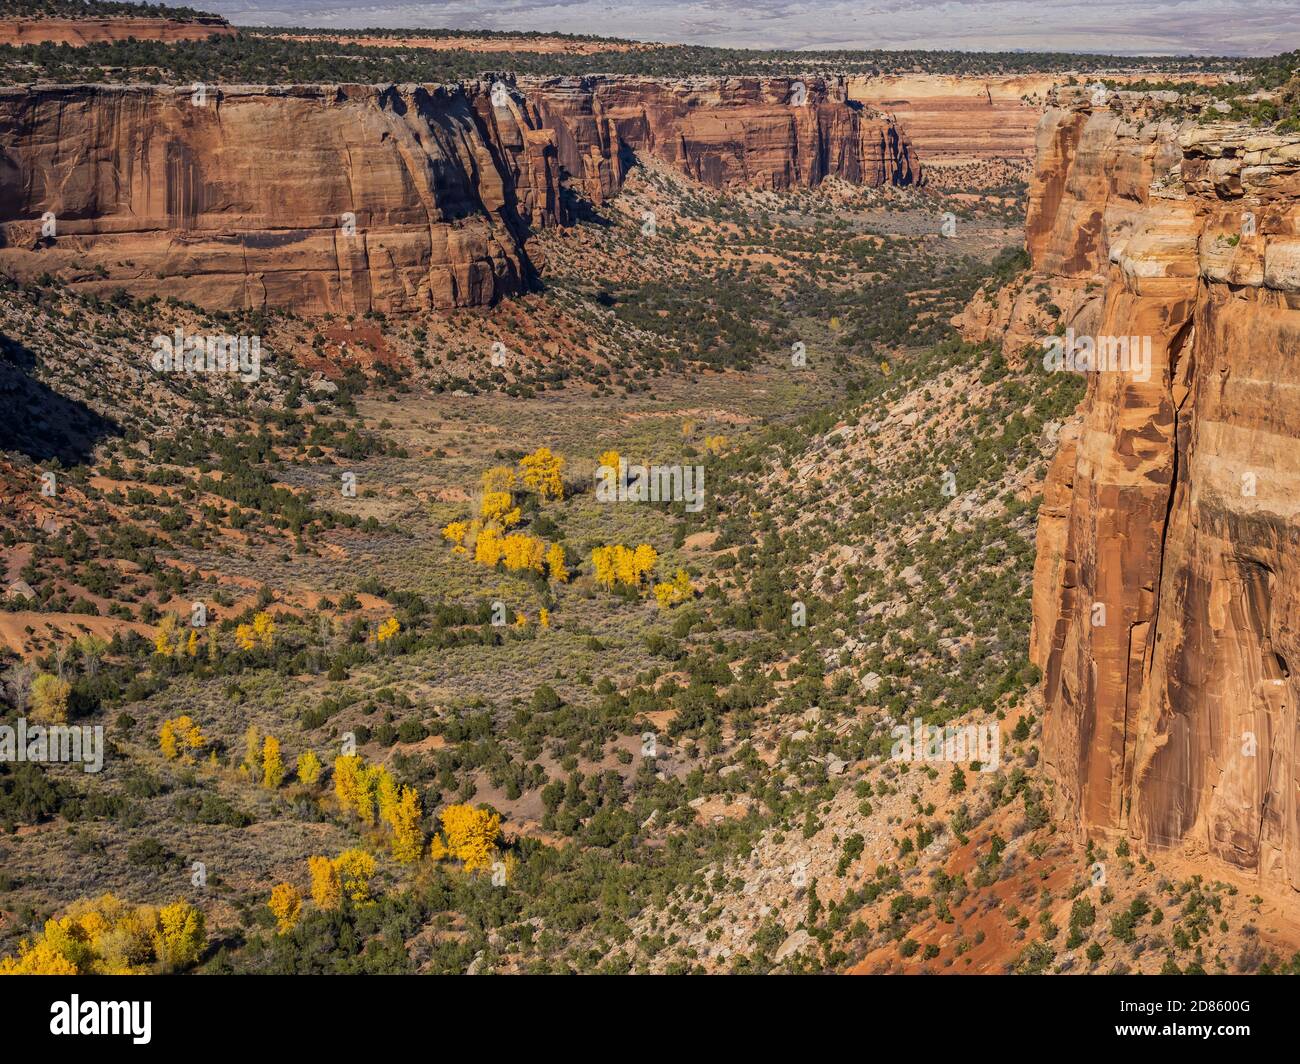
577 208
39 422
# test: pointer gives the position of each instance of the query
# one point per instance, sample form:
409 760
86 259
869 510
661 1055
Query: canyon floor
770 830
389 683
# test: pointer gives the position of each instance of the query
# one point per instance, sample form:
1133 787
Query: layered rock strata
79 31
1166 601
386 198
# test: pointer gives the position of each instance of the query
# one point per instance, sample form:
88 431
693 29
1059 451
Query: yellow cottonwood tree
498 478
355 869
106 936
309 767
180 936
178 735
454 533
357 784
644 559
555 566
253 746
349 780
488 547
260 633
669 594
50 697
543 472
404 818
498 508
326 891
469 835
285 906
166 640
272 763
602 561
522 551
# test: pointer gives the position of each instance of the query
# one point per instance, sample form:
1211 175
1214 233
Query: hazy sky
1239 27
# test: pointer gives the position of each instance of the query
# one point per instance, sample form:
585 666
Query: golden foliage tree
326 890
50 696
167 640
498 509
523 552
106 936
355 869
309 767
468 835
180 736
404 818
349 780
488 547
670 593
261 633
498 479
454 533
272 763
285 906
617 564
555 566
387 630
543 472
180 936
357 785
253 746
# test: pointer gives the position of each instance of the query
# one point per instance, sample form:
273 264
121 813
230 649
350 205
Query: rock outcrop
774 133
386 198
349 199
955 120
1167 586
79 31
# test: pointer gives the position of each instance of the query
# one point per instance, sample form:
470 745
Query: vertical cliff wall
1167 584
388 198
775 133
315 198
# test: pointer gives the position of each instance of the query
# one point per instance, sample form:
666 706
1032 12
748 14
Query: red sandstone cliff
315 198
79 31
397 198
1167 585
774 133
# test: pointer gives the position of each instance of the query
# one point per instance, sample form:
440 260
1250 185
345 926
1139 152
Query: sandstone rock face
315 198
386 198
956 120
79 31
1167 584
775 133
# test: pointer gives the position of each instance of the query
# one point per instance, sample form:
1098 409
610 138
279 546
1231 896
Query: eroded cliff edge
386 198
1167 586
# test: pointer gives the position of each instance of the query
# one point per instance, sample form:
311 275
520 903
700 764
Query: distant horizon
1166 28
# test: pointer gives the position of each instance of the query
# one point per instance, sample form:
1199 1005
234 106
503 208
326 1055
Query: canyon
386 198
1165 600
